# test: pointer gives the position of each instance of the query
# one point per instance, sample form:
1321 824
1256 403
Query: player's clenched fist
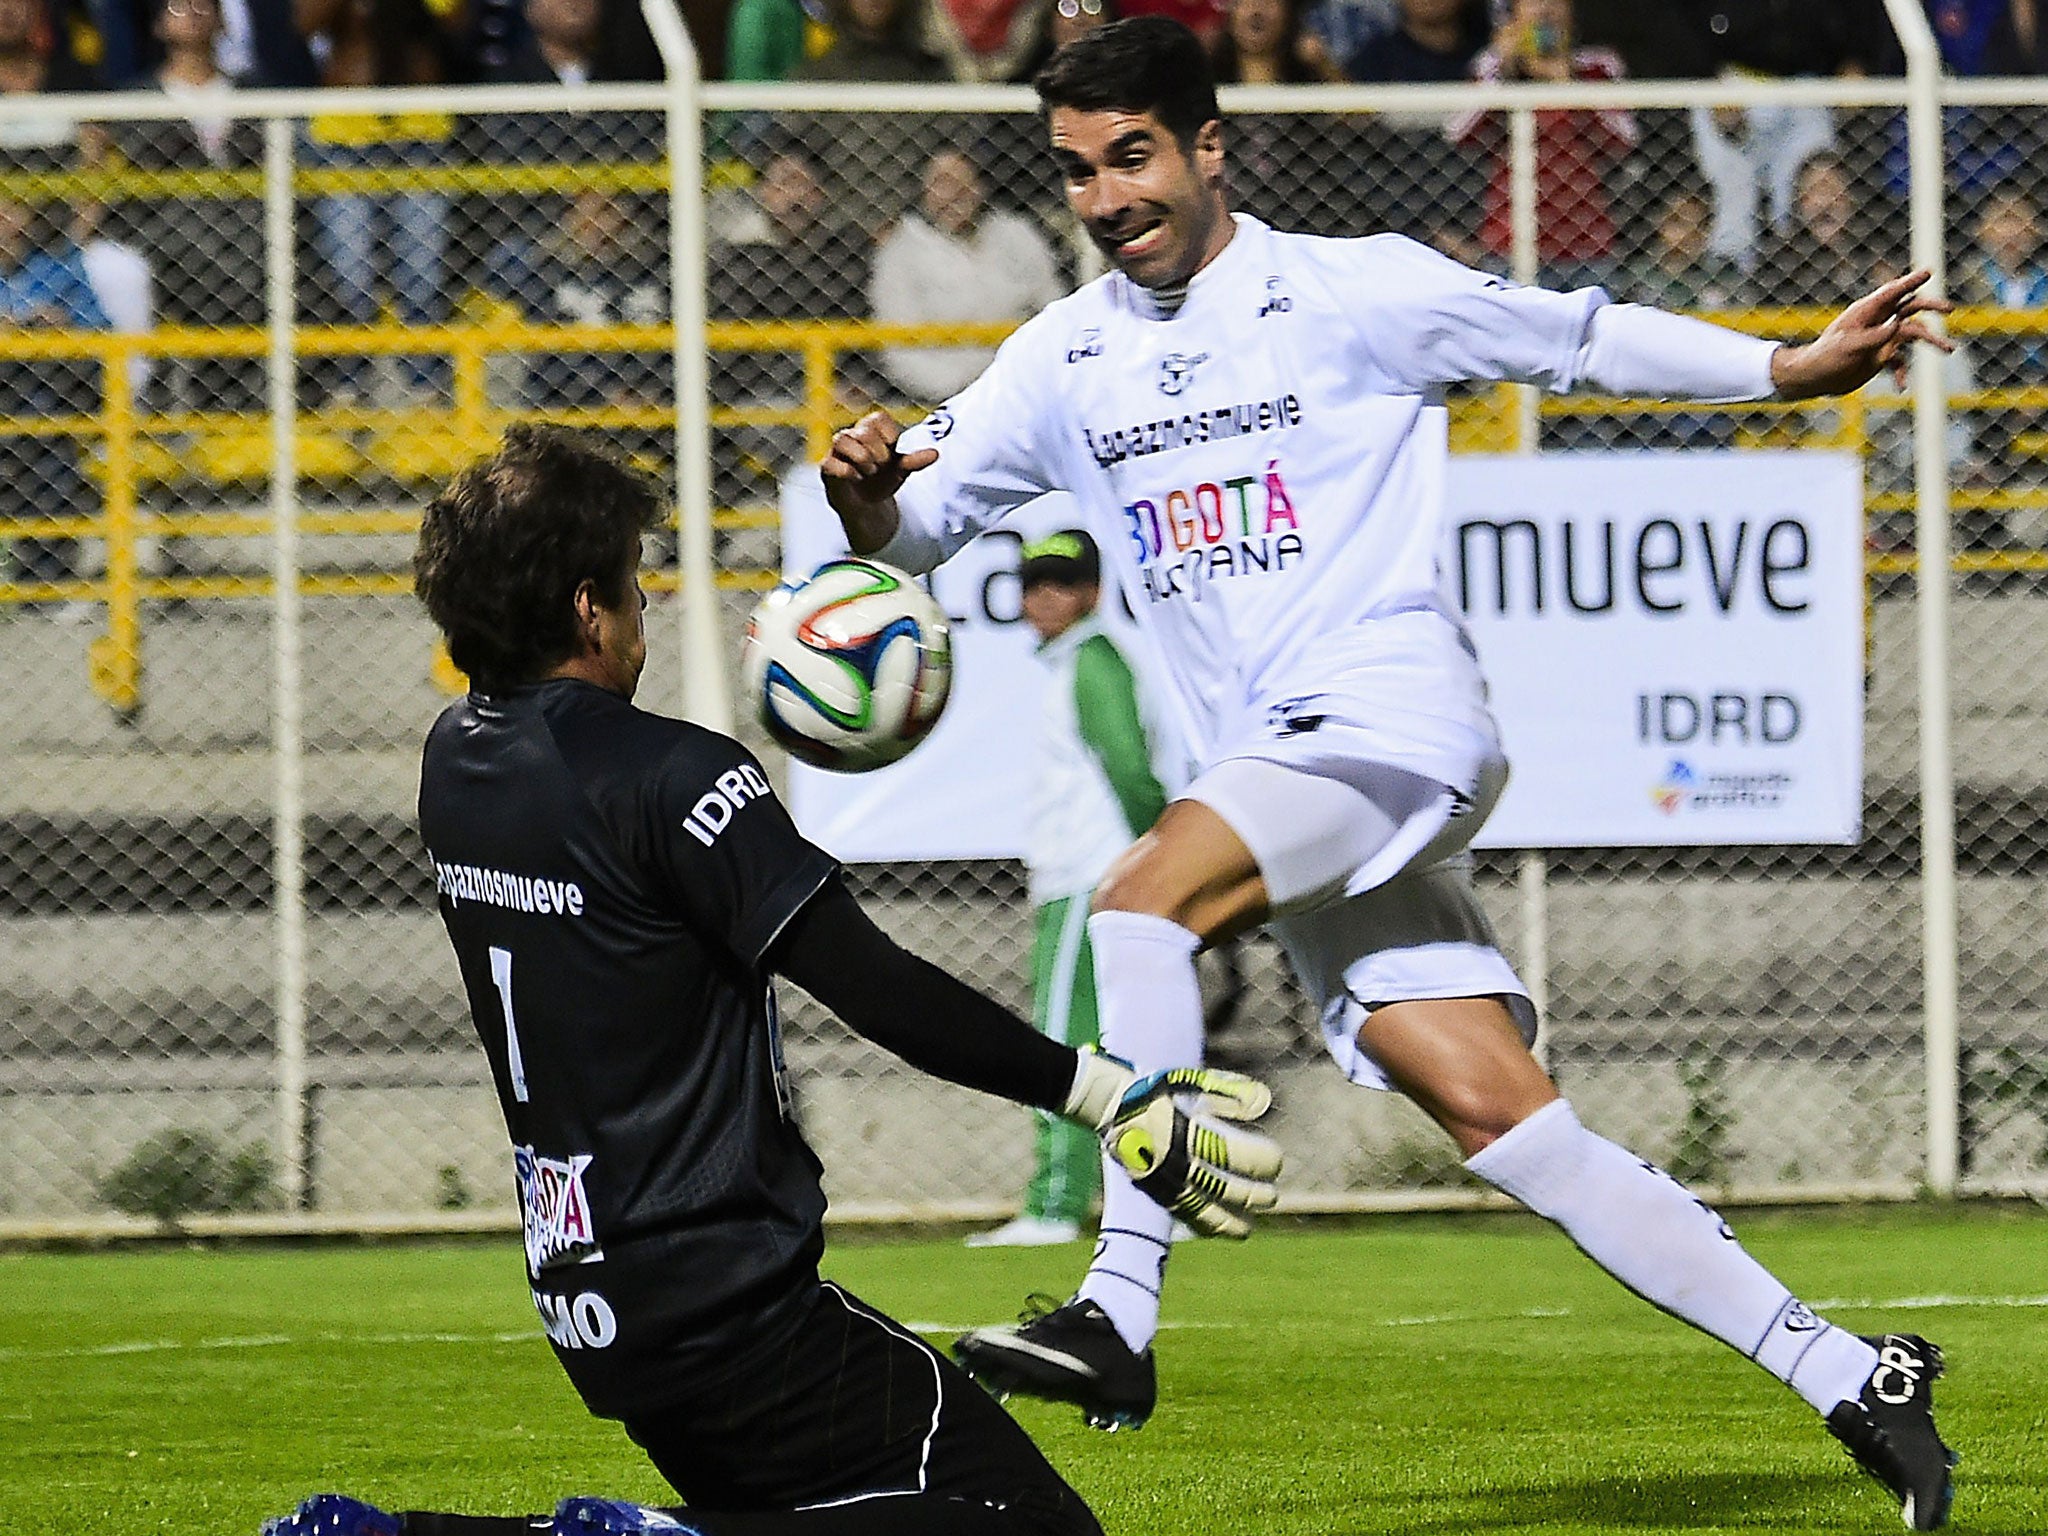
1209 1173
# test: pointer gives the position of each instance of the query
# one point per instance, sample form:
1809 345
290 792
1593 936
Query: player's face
1152 206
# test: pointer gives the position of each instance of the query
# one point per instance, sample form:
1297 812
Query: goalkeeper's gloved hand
1210 1174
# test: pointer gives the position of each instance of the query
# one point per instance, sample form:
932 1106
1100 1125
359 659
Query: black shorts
853 1410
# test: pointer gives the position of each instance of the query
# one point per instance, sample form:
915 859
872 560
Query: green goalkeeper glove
1210 1174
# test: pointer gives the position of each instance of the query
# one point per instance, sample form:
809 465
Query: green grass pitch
1411 1375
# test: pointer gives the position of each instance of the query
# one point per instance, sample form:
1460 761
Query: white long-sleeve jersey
1264 466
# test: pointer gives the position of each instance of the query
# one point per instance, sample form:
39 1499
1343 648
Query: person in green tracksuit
1094 791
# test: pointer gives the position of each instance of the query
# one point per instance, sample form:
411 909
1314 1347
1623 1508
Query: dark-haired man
1254 424
622 890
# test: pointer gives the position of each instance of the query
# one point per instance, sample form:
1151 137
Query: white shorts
1368 878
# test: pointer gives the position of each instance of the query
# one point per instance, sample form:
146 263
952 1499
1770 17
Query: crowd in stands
915 217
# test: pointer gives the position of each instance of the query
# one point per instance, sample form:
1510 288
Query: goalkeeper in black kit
621 890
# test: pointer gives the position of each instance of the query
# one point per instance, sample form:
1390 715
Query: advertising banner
1674 643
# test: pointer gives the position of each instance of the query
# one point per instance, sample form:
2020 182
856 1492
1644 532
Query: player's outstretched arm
1168 1130
1869 336
862 475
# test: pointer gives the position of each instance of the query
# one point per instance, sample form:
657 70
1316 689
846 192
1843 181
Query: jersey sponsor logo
554 1210
1277 302
502 888
1088 344
1193 535
939 424
582 1321
716 807
1177 370
1112 445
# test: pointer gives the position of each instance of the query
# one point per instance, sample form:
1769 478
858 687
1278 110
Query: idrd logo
580 1322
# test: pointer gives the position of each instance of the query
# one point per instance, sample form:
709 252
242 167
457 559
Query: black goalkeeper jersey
610 880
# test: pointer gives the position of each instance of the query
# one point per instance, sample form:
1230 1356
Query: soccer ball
849 667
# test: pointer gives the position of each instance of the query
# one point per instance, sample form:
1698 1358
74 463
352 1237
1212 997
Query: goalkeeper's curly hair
503 549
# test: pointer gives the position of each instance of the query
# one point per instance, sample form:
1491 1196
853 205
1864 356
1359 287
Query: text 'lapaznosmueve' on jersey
1245 419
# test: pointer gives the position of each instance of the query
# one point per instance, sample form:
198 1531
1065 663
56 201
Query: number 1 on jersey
501 978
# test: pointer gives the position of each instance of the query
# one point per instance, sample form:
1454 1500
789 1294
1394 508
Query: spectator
1094 794
571 42
1680 272
766 39
1576 151
872 40
258 44
2006 271
956 259
1285 168
35 54
499 32
787 257
43 286
1437 40
1346 27
1983 37
36 60
261 44
1823 257
980 42
1683 271
400 238
1263 43
1751 157
1426 186
43 282
2019 42
605 266
208 250
1983 146
558 42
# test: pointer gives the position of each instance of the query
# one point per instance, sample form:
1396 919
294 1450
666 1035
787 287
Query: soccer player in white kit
1254 424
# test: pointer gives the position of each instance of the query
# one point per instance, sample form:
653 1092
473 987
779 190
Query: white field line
261 1341
1921 1303
524 1336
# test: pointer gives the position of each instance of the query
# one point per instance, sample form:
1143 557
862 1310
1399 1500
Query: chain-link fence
222 984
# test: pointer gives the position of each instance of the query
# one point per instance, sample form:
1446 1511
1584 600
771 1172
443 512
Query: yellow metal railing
134 450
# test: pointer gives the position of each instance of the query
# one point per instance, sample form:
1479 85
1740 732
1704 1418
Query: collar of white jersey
1167 303
1071 638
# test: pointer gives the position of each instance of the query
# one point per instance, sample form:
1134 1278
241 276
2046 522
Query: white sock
1150 1005
1653 1235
